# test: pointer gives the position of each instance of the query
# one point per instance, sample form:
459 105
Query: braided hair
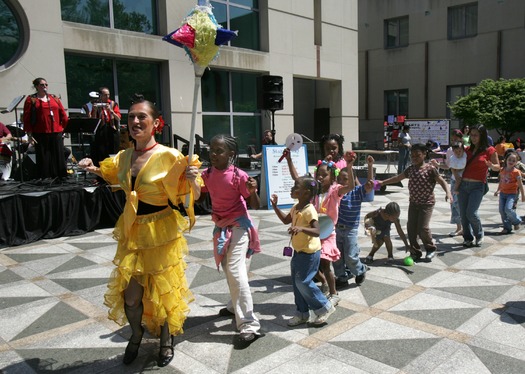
231 144
311 184
392 209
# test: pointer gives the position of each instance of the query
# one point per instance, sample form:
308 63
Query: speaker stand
273 126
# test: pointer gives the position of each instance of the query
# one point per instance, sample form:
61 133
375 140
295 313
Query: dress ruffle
153 254
329 250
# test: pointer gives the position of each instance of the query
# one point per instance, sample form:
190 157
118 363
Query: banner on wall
423 130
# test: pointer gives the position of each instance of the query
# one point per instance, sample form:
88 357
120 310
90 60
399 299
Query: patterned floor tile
53 317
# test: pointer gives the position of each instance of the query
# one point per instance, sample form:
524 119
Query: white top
404 138
458 163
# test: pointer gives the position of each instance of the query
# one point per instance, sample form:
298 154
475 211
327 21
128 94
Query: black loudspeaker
270 92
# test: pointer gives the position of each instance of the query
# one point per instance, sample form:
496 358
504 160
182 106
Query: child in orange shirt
509 182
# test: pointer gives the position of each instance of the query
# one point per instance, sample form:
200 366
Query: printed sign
277 178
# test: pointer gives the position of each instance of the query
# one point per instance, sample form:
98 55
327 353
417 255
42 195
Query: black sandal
164 360
129 354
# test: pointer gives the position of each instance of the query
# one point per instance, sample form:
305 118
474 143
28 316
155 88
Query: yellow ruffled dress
151 248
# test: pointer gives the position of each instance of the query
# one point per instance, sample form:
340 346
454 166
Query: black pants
49 150
106 142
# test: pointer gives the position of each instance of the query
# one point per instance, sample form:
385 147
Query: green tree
499 105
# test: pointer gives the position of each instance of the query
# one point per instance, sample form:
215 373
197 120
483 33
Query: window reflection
132 15
10 34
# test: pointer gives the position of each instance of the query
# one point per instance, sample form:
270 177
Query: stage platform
53 208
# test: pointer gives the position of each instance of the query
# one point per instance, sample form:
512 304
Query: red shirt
476 168
45 123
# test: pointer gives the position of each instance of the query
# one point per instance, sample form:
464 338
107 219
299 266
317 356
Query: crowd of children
335 193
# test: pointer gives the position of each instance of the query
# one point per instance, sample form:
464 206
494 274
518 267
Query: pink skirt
329 250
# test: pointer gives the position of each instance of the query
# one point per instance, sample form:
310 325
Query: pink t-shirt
227 189
328 203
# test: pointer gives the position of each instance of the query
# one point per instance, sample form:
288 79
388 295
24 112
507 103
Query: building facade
80 45
415 56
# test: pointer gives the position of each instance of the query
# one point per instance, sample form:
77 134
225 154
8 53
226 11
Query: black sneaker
361 277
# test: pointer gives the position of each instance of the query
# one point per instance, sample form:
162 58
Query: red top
476 168
45 122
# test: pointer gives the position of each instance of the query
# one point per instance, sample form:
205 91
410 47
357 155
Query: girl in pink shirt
235 238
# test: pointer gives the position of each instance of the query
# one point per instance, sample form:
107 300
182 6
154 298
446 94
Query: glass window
11 40
244 92
132 15
135 15
396 32
124 78
396 102
241 15
214 89
463 21
453 94
229 102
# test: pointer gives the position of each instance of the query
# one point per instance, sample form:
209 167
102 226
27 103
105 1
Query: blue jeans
346 239
454 207
402 162
509 216
307 295
470 196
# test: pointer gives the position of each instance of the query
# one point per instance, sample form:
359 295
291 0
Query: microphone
285 152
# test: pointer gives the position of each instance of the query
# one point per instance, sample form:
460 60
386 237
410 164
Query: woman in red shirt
44 121
480 156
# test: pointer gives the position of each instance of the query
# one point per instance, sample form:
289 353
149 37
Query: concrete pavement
462 313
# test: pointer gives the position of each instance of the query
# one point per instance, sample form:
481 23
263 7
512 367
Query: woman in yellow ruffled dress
149 284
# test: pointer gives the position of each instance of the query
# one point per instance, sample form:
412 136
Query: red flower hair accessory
159 128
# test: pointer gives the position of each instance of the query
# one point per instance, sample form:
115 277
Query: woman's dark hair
392 209
37 81
308 182
406 127
483 139
340 139
139 99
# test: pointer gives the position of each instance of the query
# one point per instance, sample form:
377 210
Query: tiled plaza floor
462 313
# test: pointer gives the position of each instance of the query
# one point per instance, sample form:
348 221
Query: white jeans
235 267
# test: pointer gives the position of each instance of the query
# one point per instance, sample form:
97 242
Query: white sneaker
334 299
296 321
321 319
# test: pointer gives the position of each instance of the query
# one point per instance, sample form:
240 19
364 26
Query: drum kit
14 144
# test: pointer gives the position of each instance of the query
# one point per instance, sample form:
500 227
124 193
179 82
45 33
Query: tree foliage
499 105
